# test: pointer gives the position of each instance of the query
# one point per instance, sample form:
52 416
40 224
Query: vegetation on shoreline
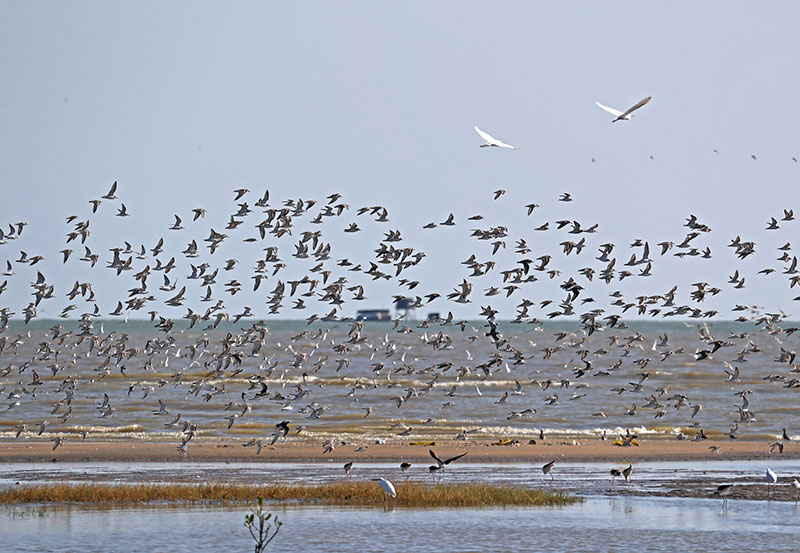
409 494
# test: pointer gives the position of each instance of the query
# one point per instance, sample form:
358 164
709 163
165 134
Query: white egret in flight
492 141
624 116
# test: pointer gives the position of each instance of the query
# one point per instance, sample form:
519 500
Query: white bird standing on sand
492 141
386 486
622 116
772 479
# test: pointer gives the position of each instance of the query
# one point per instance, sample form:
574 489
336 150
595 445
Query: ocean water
401 382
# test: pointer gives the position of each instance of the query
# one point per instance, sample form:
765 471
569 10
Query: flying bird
492 141
620 115
443 462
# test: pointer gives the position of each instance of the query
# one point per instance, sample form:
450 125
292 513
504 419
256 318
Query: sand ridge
479 451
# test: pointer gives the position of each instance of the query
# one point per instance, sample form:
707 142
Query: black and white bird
442 463
722 491
547 469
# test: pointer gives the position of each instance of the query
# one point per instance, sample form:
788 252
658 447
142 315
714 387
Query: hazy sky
182 102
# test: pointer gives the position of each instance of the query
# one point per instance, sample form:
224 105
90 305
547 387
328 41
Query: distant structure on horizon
404 308
373 315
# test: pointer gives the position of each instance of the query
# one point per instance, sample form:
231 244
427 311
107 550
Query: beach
478 451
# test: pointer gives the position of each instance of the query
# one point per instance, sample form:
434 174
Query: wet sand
479 451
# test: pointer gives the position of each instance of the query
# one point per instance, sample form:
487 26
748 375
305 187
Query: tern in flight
492 141
624 116
441 463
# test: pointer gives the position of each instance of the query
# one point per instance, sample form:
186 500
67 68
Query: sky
183 102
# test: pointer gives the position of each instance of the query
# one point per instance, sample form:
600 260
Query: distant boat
373 315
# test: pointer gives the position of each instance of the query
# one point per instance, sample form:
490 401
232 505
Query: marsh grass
345 493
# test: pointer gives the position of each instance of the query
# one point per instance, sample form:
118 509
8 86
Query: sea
409 381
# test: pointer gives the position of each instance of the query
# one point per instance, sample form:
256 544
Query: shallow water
679 478
623 524
640 518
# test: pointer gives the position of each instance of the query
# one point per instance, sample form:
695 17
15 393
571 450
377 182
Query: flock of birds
292 232
722 491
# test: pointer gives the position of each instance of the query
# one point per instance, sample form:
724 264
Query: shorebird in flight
111 192
441 463
492 141
623 115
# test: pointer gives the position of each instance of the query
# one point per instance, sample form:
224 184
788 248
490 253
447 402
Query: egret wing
612 111
486 136
637 106
504 145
